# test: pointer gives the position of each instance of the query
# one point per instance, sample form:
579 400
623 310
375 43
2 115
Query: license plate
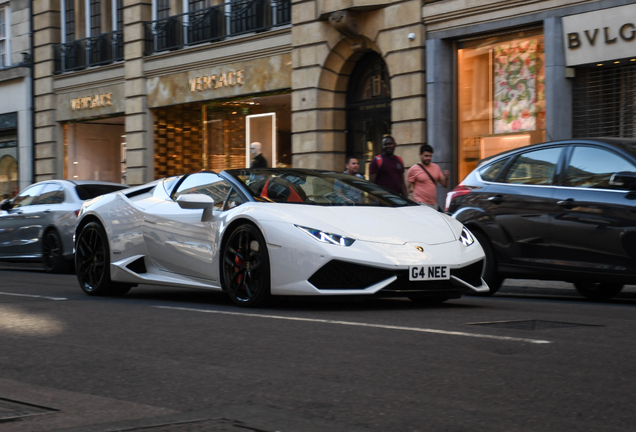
425 273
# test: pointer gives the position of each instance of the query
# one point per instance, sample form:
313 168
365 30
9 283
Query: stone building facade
15 97
188 84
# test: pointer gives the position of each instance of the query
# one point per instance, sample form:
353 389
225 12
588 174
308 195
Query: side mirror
623 180
197 202
6 204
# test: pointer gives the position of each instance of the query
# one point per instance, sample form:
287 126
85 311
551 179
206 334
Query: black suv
563 210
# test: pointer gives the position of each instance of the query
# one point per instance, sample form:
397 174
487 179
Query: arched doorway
368 108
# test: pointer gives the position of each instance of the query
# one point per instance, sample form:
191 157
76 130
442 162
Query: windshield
316 188
88 191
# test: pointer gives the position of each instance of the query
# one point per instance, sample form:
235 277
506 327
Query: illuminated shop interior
214 135
95 150
501 95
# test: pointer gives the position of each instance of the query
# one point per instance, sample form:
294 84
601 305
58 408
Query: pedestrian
258 161
387 169
352 167
423 177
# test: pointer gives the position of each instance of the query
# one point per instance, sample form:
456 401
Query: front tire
491 277
245 270
598 291
52 257
92 263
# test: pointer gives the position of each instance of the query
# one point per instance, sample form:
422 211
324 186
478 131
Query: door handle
150 220
497 199
47 211
568 203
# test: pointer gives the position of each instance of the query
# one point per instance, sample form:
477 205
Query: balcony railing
93 51
215 23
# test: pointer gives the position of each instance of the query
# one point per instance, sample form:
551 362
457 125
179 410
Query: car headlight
466 237
325 237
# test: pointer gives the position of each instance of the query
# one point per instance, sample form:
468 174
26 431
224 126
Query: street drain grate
532 324
13 410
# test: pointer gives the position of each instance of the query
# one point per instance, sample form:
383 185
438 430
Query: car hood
390 225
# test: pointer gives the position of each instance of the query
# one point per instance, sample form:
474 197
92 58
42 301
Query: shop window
501 95
8 177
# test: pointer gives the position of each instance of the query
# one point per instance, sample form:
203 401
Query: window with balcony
211 20
95 40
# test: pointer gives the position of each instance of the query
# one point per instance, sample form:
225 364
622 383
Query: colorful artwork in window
519 90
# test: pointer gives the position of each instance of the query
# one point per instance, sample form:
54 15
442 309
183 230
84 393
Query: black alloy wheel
52 257
245 268
92 263
491 277
598 291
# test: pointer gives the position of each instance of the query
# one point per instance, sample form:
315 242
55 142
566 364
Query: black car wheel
52 257
92 263
491 277
245 268
598 290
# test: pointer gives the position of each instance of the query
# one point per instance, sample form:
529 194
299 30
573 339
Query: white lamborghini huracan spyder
259 232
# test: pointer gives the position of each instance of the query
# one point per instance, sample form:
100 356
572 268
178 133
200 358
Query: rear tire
598 291
92 263
52 257
245 269
491 277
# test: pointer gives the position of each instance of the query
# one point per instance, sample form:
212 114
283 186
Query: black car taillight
460 190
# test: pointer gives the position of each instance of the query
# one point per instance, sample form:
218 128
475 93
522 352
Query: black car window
27 197
534 168
234 200
205 183
592 167
89 191
53 193
489 172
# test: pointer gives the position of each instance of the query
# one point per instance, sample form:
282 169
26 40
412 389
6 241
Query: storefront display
501 95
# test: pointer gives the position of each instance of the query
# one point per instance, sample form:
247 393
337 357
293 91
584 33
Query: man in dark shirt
387 169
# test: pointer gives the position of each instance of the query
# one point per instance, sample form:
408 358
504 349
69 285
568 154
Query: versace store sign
603 35
99 101
220 82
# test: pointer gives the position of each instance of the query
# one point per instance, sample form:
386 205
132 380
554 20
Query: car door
520 202
177 239
18 229
594 226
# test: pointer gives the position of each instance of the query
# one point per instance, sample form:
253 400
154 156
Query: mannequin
258 161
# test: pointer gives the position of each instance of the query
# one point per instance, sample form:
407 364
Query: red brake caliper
238 262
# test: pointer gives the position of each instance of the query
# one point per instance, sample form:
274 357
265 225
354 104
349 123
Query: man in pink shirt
423 177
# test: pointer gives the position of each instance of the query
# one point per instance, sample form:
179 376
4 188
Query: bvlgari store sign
599 36
219 82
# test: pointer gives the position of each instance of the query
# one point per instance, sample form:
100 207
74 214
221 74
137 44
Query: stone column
48 155
318 118
139 130
558 89
402 40
440 106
